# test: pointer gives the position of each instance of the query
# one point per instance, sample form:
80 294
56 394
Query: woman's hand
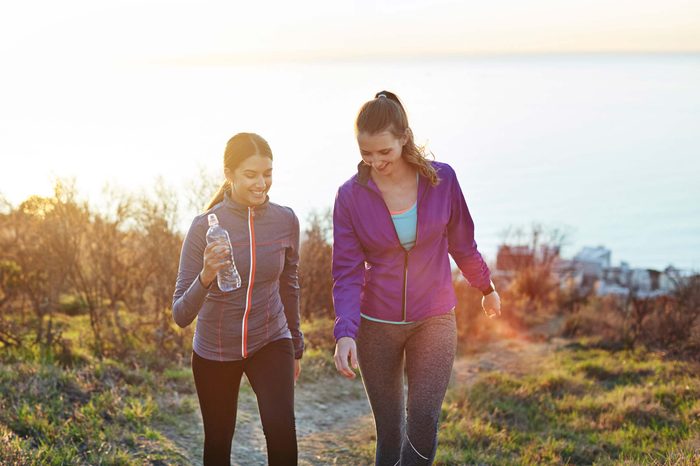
216 257
297 370
345 349
491 303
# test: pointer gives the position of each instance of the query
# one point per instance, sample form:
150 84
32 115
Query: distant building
570 277
590 264
547 254
589 271
514 258
593 261
619 275
603 288
643 283
670 278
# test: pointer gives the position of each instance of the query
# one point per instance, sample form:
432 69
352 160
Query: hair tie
379 96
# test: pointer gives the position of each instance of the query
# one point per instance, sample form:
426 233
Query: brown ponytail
219 196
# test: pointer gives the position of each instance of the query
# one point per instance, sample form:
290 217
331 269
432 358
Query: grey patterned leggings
407 430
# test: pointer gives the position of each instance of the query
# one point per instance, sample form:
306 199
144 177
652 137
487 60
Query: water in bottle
227 278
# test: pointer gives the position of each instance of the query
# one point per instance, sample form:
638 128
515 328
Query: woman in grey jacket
253 329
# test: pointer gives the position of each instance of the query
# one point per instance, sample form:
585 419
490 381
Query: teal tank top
405 223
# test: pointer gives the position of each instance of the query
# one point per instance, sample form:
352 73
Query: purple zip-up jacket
375 275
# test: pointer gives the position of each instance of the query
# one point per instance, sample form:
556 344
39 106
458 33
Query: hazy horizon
603 145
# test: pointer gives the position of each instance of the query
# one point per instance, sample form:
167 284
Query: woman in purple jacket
394 224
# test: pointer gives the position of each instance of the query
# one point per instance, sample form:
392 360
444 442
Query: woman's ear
405 137
228 174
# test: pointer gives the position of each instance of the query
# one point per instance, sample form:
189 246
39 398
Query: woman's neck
403 172
400 189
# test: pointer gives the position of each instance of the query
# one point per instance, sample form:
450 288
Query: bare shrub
315 268
670 323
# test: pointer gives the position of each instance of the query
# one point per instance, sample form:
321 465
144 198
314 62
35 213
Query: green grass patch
583 406
318 333
317 364
99 413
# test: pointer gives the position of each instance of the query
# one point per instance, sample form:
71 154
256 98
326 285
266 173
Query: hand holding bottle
227 275
216 257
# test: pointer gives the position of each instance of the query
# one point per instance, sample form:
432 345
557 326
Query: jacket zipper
406 253
405 283
251 279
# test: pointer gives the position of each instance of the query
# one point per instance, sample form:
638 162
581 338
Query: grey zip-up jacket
232 326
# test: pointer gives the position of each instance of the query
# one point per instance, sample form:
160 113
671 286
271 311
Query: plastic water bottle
227 278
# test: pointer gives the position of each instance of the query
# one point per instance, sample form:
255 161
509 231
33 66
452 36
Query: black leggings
270 371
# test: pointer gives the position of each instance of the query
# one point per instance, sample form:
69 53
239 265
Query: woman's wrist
205 283
488 290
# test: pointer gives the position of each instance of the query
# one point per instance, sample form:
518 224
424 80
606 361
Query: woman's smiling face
382 151
251 180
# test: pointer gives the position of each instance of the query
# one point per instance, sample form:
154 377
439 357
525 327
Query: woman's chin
256 200
384 169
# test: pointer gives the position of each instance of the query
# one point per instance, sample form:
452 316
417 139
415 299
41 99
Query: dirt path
327 413
516 355
332 415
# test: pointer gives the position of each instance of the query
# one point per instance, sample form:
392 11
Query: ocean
605 147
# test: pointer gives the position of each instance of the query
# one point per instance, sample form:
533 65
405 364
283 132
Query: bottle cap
212 219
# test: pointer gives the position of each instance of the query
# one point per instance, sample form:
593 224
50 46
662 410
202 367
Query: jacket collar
242 209
363 178
363 173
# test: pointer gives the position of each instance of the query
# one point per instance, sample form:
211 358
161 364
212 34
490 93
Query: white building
593 261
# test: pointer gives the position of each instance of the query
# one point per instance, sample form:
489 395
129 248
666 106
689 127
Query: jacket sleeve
348 271
461 243
189 291
289 290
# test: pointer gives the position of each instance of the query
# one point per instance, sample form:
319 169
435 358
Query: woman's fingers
346 349
353 357
216 255
341 365
340 360
297 370
491 304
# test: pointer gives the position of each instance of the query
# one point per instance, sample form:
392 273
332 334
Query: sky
116 90
46 32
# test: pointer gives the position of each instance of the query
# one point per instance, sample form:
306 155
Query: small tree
676 323
44 251
10 286
315 267
534 289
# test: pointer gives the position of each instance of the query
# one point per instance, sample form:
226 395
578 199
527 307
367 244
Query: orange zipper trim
251 279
